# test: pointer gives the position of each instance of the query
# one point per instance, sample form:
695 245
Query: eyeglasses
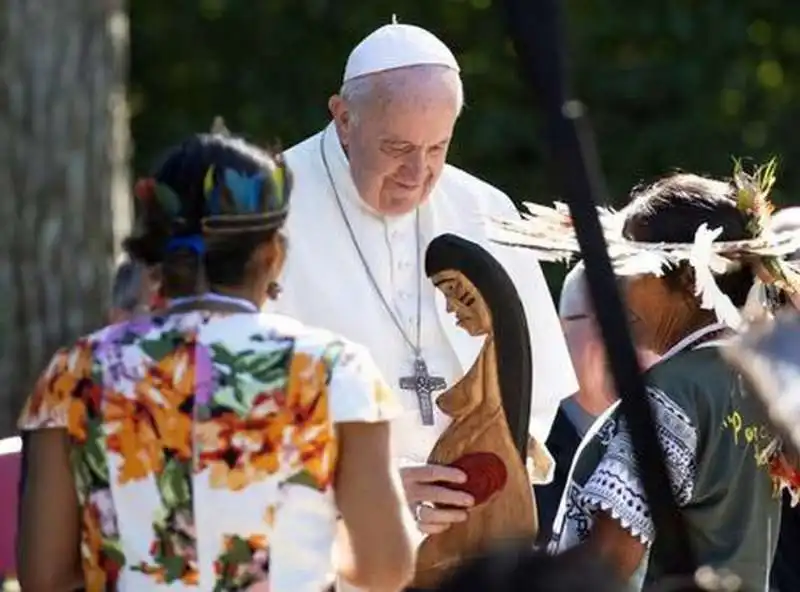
576 317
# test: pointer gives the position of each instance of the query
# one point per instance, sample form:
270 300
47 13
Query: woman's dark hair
194 237
671 210
510 326
126 289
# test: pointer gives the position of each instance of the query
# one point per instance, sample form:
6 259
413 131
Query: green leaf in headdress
279 178
212 192
752 189
766 176
744 186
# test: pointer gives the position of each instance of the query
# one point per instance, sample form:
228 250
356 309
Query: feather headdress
550 234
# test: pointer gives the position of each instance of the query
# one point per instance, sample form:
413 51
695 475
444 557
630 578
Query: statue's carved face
464 301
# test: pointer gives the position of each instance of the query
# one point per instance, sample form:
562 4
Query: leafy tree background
669 83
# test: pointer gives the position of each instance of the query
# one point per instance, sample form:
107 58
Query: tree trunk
64 201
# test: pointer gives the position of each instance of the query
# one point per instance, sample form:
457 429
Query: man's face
585 350
397 146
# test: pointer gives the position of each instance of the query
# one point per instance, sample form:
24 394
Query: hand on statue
426 496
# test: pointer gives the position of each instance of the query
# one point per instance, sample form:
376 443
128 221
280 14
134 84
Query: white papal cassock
324 284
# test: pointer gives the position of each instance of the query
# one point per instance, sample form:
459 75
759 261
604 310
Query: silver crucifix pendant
424 385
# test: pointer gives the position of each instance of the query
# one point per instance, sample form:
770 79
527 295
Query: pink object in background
9 481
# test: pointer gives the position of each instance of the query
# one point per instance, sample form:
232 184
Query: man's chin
398 205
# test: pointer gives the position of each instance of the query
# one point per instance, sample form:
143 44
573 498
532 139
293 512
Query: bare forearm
621 549
48 542
384 571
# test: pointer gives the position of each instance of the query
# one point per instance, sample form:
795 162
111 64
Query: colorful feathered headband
234 202
550 234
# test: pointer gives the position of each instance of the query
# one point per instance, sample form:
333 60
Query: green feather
169 200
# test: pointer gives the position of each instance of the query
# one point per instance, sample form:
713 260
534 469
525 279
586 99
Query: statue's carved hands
435 507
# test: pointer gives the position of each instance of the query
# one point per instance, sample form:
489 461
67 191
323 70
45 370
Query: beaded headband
234 202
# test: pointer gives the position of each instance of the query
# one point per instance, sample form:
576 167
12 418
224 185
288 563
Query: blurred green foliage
669 83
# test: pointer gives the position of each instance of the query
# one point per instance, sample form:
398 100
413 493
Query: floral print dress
204 449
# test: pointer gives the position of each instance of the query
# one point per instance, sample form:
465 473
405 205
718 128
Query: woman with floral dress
212 446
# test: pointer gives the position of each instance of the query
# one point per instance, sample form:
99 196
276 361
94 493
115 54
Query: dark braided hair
174 205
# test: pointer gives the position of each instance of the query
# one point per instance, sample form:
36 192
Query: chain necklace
421 381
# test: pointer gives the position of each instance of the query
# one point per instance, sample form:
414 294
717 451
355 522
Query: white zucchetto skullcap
397 46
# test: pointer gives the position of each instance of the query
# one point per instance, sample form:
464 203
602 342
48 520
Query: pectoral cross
424 385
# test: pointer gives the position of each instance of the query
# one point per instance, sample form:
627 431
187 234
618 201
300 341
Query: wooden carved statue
489 407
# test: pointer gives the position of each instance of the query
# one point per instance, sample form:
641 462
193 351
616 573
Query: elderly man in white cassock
372 190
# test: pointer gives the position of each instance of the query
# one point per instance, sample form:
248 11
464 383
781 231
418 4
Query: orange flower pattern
197 444
69 395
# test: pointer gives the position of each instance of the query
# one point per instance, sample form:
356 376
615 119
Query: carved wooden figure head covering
489 407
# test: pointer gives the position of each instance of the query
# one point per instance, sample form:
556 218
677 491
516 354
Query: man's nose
413 169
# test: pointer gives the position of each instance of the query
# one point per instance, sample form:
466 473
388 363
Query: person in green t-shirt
712 433
687 252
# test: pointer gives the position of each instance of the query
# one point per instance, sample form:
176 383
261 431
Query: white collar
691 340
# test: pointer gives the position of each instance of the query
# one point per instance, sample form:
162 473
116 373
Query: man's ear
342 118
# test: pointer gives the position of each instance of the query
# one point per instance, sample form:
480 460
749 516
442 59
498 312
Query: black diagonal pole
537 31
